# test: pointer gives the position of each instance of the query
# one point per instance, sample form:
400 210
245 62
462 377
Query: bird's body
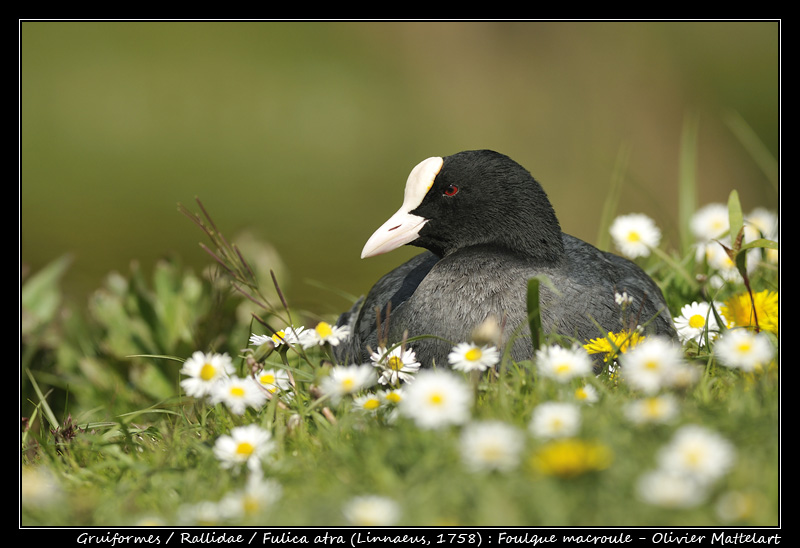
489 228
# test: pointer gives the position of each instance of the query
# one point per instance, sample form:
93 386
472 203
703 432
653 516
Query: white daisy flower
238 394
772 255
345 380
737 505
714 255
290 335
723 267
472 357
275 381
368 403
203 371
654 409
647 365
371 511
491 445
761 223
324 333
744 349
710 222
669 489
258 340
437 398
246 445
204 514
635 235
398 365
39 487
586 394
392 396
257 496
390 401
682 376
563 364
555 420
697 452
697 320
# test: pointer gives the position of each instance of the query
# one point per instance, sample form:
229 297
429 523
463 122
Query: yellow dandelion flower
739 310
571 457
614 343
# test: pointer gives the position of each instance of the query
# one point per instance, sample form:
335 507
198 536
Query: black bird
488 227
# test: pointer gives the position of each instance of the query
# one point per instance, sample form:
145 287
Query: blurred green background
304 132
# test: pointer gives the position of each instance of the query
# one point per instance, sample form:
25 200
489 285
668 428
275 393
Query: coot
488 227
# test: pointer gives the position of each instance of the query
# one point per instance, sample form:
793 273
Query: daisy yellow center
267 378
245 448
653 407
694 456
348 384
491 453
436 399
697 321
371 404
250 505
395 363
633 237
393 397
581 394
237 391
744 347
279 336
323 330
562 368
651 365
207 372
473 354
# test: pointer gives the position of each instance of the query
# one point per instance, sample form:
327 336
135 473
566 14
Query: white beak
403 227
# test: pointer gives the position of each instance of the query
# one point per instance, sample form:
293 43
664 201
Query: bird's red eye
451 190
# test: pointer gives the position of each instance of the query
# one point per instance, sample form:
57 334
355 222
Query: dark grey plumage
488 228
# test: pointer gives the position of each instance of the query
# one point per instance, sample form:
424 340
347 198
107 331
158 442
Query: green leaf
46 411
534 313
40 295
761 242
736 218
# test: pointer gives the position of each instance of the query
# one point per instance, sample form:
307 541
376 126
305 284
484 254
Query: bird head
477 197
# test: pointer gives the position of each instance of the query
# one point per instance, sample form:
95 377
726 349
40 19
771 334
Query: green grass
104 416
